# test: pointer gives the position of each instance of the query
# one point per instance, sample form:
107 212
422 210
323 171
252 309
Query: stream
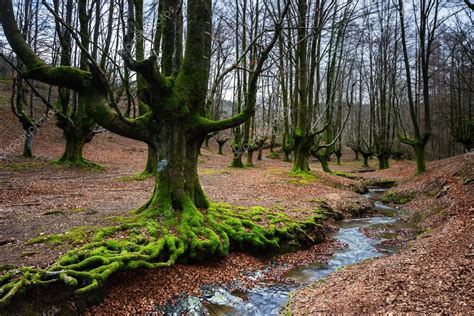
270 299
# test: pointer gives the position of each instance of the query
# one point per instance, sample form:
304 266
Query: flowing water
270 299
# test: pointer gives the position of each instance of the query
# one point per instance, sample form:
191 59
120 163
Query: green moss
303 175
6 267
79 163
28 253
346 175
74 236
397 197
273 155
143 241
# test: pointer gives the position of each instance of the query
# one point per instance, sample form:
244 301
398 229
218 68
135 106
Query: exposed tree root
156 238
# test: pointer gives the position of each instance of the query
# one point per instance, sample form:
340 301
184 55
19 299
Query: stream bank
363 238
433 274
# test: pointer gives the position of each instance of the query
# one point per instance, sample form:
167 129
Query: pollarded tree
178 221
428 22
71 116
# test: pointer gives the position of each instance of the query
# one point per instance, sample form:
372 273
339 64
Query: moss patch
381 183
28 253
75 236
397 197
156 238
79 163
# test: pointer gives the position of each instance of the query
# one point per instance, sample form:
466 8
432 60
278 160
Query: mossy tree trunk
384 162
427 25
18 104
28 146
73 149
71 110
287 146
250 152
302 109
338 154
365 159
301 155
356 154
237 152
221 143
323 156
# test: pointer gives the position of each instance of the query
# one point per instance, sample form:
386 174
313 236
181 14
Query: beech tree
178 221
428 23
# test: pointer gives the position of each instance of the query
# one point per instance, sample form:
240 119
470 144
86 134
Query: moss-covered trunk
383 161
287 154
300 162
151 163
176 180
420 157
365 159
356 154
237 151
338 157
250 152
28 145
323 157
73 150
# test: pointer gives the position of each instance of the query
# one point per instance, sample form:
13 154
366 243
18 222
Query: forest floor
38 198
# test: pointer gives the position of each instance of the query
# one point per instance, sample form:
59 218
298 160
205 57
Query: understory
150 241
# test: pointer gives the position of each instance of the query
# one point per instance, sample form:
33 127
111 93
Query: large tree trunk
356 154
250 152
73 150
237 152
420 157
383 161
176 182
323 156
366 157
300 162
